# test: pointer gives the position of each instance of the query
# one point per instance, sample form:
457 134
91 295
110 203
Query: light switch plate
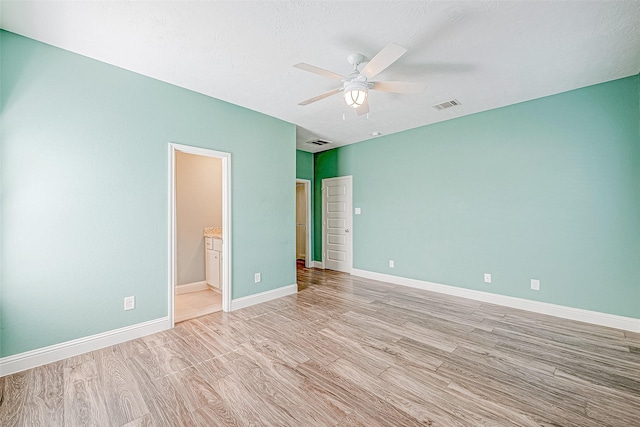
357 211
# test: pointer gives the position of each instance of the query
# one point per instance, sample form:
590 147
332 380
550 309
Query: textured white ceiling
487 54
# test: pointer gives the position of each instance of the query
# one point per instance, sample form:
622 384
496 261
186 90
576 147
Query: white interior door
336 224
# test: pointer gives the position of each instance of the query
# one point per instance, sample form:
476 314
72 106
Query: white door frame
324 222
226 221
307 190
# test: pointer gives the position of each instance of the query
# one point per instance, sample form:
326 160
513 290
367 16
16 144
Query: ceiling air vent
448 104
319 142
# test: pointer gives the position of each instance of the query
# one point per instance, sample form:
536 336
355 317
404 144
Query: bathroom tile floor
196 304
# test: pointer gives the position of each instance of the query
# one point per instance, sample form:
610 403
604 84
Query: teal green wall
546 189
84 177
304 165
304 170
325 166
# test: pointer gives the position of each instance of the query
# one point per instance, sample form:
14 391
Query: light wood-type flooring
346 352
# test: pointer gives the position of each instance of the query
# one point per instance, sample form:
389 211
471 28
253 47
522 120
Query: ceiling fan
356 85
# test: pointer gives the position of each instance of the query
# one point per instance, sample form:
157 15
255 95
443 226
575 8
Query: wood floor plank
594 367
194 349
311 408
84 401
357 353
14 394
277 350
247 410
144 421
522 396
615 347
76 360
130 348
33 398
216 414
407 406
194 389
438 391
308 343
215 342
44 402
166 406
609 403
120 390
352 394
163 360
213 370
386 349
371 325
160 338
265 391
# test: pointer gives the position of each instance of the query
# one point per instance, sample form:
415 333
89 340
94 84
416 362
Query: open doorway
303 222
199 235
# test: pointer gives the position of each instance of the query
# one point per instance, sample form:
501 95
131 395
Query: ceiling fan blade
364 108
399 87
383 59
322 96
319 71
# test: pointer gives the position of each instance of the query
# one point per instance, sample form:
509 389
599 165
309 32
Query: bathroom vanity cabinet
213 263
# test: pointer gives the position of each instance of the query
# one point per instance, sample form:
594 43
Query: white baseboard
191 287
317 264
53 353
265 296
581 315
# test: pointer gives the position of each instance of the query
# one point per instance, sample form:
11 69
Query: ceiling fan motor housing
355 91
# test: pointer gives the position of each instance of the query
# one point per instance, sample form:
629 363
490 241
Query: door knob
346 231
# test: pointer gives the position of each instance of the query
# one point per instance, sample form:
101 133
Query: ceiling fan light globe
355 98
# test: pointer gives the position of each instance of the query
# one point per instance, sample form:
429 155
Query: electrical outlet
358 211
391 263
257 278
129 303
535 284
487 278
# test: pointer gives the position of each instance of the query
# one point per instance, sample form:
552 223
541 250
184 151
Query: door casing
226 222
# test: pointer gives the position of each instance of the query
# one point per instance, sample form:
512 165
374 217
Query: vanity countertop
215 232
